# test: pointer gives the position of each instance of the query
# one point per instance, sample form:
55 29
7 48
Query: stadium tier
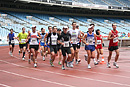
17 20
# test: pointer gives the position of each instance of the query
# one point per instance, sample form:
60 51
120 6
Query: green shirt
22 37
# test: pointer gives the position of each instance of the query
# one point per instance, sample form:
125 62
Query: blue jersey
90 39
11 36
42 39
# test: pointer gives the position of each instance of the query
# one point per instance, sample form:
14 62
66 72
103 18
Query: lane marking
20 75
103 81
4 85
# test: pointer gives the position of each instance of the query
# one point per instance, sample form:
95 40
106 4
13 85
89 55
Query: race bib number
23 40
115 39
12 42
66 43
34 40
42 40
90 41
98 42
54 42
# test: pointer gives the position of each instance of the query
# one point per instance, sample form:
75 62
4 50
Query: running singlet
54 39
42 39
99 40
34 39
11 39
90 39
114 42
74 36
22 37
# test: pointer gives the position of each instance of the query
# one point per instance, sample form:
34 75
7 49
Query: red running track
17 73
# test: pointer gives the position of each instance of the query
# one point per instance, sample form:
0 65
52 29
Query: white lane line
4 85
20 75
103 81
121 76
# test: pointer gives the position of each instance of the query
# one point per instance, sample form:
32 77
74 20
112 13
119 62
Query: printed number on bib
33 40
54 42
66 44
115 40
73 39
12 42
90 41
23 40
98 42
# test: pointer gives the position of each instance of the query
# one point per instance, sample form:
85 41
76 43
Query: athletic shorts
112 48
74 46
58 47
42 44
22 45
99 47
65 50
36 47
78 45
11 44
90 47
53 49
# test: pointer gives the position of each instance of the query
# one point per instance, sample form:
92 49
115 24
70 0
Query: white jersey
34 39
74 35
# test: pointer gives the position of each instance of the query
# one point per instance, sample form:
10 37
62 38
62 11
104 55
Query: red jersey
99 40
114 42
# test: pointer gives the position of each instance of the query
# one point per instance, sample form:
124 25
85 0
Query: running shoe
71 64
43 58
89 67
23 58
115 64
98 61
59 63
95 62
108 65
79 60
35 65
63 68
51 63
86 57
19 52
29 61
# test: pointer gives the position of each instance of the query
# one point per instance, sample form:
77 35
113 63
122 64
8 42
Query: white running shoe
77 62
63 68
115 64
35 65
89 67
86 57
71 65
43 58
95 63
108 65
23 59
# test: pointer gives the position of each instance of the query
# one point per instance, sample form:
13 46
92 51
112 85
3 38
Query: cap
34 26
65 27
90 27
58 29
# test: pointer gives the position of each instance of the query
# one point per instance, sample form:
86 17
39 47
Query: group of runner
64 42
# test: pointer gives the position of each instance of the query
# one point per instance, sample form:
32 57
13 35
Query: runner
22 38
53 44
90 44
34 44
99 44
59 47
113 45
75 34
48 40
11 38
64 40
42 43
78 44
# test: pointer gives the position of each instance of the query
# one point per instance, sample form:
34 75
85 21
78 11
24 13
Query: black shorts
36 47
78 45
74 46
65 50
11 44
53 49
22 45
58 47
112 48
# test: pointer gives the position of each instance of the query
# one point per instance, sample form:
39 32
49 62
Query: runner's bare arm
45 38
109 36
84 39
39 36
95 40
